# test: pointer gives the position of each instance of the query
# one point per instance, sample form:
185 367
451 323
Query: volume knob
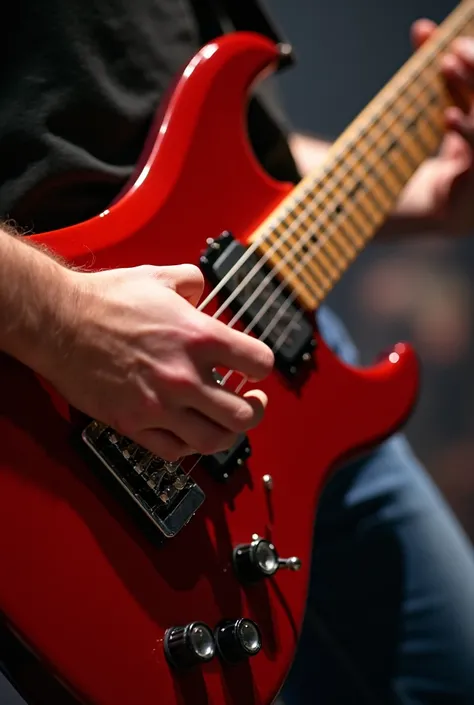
260 559
189 645
238 639
256 560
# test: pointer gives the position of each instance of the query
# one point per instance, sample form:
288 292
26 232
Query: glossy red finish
79 582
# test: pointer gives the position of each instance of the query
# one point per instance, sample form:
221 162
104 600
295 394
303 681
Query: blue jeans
390 616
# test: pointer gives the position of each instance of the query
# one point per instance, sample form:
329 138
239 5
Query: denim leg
390 615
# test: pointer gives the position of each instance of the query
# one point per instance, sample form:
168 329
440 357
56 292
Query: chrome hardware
260 559
293 563
190 645
163 491
238 639
268 482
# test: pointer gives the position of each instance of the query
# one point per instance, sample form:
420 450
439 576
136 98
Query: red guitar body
80 583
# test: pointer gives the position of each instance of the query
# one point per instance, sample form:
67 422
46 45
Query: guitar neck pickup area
259 299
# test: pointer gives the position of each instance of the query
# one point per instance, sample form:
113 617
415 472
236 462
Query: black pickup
273 317
222 465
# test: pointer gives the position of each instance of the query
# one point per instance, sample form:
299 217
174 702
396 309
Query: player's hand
445 184
138 356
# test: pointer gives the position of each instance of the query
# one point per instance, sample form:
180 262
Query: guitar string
321 242
336 226
335 229
298 315
310 252
429 60
310 227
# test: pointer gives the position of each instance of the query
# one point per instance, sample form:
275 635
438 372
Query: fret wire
344 245
349 218
369 168
402 151
334 260
432 98
285 246
324 283
406 124
324 272
338 250
329 268
360 182
316 216
320 278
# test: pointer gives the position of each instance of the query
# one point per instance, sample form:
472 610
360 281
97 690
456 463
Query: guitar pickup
223 464
262 303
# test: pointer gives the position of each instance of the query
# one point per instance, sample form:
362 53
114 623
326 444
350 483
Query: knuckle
199 333
147 269
178 378
194 272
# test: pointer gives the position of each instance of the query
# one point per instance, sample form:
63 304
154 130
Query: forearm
410 215
35 292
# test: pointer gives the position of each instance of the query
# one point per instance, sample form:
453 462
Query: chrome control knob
260 559
189 645
238 639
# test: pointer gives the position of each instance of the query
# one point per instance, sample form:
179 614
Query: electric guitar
136 581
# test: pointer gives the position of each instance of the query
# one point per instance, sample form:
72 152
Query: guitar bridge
163 491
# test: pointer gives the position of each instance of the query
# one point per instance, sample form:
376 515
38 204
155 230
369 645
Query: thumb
421 30
185 279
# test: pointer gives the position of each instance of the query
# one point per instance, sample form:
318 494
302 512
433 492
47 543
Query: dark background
418 289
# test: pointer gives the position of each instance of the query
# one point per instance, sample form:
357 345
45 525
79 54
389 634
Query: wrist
54 340
38 311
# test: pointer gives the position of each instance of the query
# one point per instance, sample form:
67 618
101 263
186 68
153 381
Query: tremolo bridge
164 491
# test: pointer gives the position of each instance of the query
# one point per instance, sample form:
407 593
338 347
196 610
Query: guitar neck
317 231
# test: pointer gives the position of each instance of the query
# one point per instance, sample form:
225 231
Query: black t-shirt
80 83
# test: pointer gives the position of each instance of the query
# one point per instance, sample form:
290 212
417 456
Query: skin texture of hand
140 358
445 184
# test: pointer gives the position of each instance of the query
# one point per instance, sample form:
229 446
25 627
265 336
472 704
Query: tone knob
189 645
260 559
238 639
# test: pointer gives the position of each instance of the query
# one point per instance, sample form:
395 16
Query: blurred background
421 290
